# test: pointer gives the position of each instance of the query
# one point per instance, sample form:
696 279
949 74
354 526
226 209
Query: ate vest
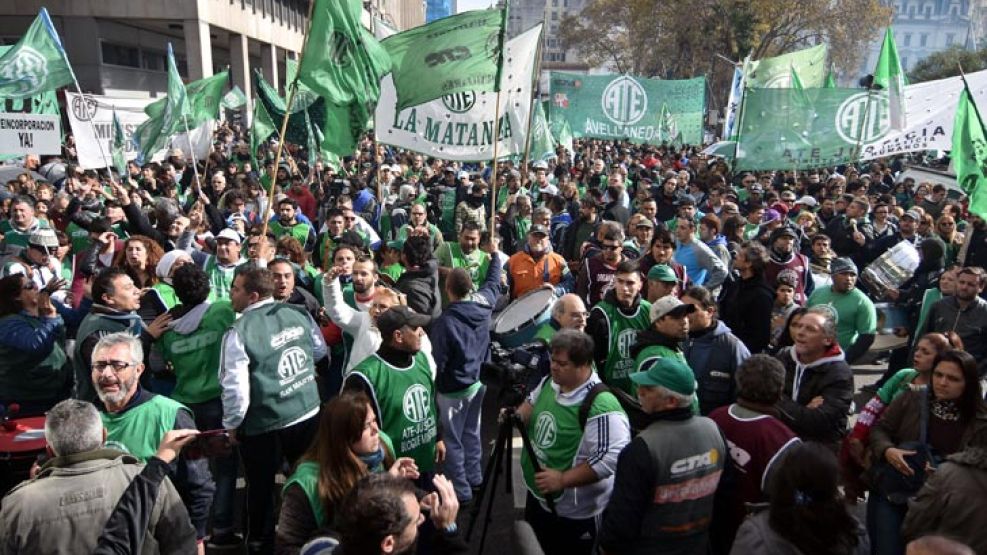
298 231
278 340
405 399
28 377
555 432
139 430
623 335
195 357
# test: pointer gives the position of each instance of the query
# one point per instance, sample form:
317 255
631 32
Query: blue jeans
209 416
461 434
884 521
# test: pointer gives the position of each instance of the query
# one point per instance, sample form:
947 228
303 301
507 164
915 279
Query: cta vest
195 357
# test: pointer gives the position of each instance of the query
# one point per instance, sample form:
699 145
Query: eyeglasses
29 285
117 365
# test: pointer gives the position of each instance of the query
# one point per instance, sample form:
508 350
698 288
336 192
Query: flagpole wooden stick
191 152
493 173
284 122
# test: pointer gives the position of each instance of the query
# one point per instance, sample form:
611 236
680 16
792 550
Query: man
856 317
114 309
576 459
473 206
222 266
614 210
537 266
667 476
701 263
662 281
335 233
686 209
614 324
418 219
964 315
22 223
643 231
136 420
747 300
304 200
36 261
461 344
288 224
270 399
285 290
597 273
822 256
784 255
818 381
64 508
464 253
907 231
399 379
851 232
420 280
712 350
580 231
756 438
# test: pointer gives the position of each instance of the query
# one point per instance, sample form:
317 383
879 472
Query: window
907 39
950 37
904 63
154 61
555 3
923 39
118 55
555 16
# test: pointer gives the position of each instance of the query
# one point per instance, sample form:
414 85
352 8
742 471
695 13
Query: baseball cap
538 229
913 214
540 165
644 222
548 190
756 188
842 265
787 195
807 201
399 316
670 373
45 238
662 272
462 174
770 215
229 234
670 305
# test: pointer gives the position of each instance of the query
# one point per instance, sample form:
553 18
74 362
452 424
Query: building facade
524 14
437 9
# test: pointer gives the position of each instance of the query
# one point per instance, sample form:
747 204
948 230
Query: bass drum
517 324
21 441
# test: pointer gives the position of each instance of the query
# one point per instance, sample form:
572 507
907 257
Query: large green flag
564 136
890 76
153 134
542 144
342 61
118 147
969 153
777 72
451 55
37 63
233 99
204 98
261 128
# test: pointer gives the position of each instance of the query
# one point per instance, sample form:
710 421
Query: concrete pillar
269 64
240 70
198 49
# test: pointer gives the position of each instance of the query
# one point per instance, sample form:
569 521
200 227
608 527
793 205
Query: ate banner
627 107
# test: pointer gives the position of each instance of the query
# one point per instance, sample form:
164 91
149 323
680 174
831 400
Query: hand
896 458
549 481
232 434
404 467
54 285
45 308
333 273
954 340
106 238
442 503
440 451
815 403
160 325
173 442
892 294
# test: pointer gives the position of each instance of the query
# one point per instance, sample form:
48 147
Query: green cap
397 244
668 372
662 272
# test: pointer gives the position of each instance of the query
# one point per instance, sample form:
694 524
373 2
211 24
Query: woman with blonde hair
953 239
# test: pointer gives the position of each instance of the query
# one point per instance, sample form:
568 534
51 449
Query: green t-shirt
855 313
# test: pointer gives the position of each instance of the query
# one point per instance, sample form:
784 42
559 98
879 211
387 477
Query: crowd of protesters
694 390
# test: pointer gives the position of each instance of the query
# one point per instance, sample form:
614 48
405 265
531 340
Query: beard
119 396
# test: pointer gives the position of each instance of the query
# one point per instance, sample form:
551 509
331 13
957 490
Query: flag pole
292 88
531 105
493 173
973 101
191 152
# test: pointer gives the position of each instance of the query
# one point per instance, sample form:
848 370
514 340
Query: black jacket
831 378
745 307
421 285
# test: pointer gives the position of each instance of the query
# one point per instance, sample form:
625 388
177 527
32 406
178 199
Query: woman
807 513
139 258
349 446
955 410
787 337
926 226
946 230
34 371
164 270
883 227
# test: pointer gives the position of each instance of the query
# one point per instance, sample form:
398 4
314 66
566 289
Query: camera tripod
495 467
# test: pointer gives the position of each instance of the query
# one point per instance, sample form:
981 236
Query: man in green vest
577 458
418 218
136 420
288 224
399 377
669 328
270 398
465 254
21 223
222 266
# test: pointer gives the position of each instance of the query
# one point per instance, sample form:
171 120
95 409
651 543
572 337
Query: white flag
461 126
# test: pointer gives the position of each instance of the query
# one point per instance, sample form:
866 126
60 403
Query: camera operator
578 458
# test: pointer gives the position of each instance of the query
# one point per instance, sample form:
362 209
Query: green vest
220 278
195 357
277 339
405 400
546 332
298 231
167 294
556 434
92 324
138 431
27 377
648 356
623 334
17 238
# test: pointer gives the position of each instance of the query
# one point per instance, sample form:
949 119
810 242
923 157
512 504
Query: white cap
230 234
668 304
462 174
540 165
549 190
807 201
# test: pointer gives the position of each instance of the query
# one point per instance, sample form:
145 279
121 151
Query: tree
946 63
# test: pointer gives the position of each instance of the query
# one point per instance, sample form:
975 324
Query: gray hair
828 317
542 212
761 379
111 340
681 401
73 426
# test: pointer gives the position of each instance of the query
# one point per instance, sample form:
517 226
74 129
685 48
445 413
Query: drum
21 441
890 270
517 324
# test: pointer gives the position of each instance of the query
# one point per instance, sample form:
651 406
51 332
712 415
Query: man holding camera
576 447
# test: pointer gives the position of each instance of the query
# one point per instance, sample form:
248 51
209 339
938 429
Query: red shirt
306 202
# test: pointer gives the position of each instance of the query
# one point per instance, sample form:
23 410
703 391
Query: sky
466 5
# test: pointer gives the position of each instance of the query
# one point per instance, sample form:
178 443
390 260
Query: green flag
830 78
261 128
153 134
891 77
776 72
452 55
342 61
37 63
118 147
564 136
668 128
233 99
542 144
204 98
969 153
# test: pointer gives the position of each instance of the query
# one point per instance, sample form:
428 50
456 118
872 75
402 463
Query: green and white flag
233 99
830 78
668 129
564 136
119 147
37 63
260 130
304 96
542 143
452 55
204 98
777 72
342 61
891 77
167 119
969 153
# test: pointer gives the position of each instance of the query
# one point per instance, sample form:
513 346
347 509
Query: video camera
516 371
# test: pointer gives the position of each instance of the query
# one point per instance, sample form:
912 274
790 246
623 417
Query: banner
461 126
130 111
30 134
733 104
626 107
773 73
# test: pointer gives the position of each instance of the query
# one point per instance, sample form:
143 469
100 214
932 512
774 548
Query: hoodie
757 536
714 354
192 347
829 377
